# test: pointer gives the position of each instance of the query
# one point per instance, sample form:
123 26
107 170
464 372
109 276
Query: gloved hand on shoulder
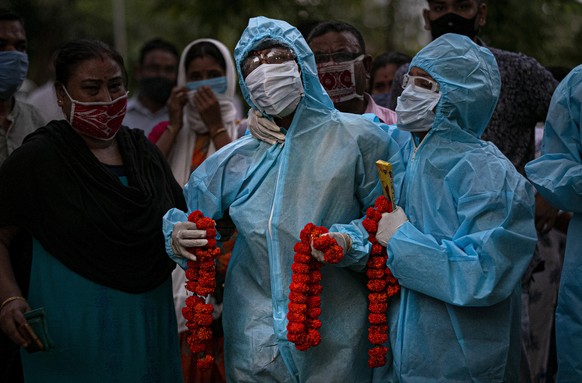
264 129
388 224
186 235
343 240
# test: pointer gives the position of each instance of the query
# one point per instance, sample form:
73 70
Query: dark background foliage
549 30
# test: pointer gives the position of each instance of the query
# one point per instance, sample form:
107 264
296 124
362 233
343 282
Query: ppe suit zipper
276 287
274 256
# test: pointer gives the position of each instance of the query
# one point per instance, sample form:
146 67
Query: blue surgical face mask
382 99
13 69
217 84
414 110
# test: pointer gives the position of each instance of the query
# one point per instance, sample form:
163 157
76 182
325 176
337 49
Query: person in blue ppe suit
557 175
463 233
322 170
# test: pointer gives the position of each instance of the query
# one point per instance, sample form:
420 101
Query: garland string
305 289
381 284
201 281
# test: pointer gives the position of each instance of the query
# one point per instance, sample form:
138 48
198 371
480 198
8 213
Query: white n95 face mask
414 109
276 89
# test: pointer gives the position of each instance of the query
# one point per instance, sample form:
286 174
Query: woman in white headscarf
202 108
203 119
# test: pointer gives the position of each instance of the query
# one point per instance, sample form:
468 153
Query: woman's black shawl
55 189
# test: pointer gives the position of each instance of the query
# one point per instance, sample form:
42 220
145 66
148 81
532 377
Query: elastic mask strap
93 103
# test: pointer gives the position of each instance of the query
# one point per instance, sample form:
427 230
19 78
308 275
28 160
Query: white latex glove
389 223
264 129
343 240
186 235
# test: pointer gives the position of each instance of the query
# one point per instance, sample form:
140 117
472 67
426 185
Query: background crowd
96 169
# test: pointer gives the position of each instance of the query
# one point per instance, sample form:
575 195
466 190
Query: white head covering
180 155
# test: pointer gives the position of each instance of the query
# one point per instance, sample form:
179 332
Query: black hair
394 57
157 44
336 26
8 15
75 52
201 49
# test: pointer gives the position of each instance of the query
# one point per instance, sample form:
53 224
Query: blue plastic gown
557 175
469 238
324 173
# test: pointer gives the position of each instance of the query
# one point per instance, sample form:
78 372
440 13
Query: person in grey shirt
17 118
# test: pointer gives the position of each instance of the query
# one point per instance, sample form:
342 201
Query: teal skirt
100 334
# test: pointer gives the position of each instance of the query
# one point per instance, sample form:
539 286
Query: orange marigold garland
381 283
305 288
201 280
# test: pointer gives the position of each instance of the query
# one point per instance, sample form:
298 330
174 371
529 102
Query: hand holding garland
185 237
330 253
305 289
388 224
200 280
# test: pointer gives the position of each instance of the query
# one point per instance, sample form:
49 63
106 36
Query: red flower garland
381 283
304 297
201 280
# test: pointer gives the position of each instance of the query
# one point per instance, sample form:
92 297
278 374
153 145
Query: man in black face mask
527 86
464 17
156 74
526 90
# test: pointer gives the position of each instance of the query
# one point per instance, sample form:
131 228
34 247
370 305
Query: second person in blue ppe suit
464 231
557 175
322 170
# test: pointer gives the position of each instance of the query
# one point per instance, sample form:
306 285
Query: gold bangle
219 131
8 300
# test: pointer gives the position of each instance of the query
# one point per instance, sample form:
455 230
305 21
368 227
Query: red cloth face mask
339 80
100 120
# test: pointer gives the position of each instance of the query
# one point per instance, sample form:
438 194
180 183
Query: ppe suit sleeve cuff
404 231
170 219
357 257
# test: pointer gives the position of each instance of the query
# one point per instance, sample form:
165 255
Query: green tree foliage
549 30
49 23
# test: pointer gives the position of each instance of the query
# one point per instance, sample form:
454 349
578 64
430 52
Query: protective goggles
421 82
338 57
274 55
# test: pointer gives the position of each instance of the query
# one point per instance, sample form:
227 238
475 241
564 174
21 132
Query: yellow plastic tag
386 179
